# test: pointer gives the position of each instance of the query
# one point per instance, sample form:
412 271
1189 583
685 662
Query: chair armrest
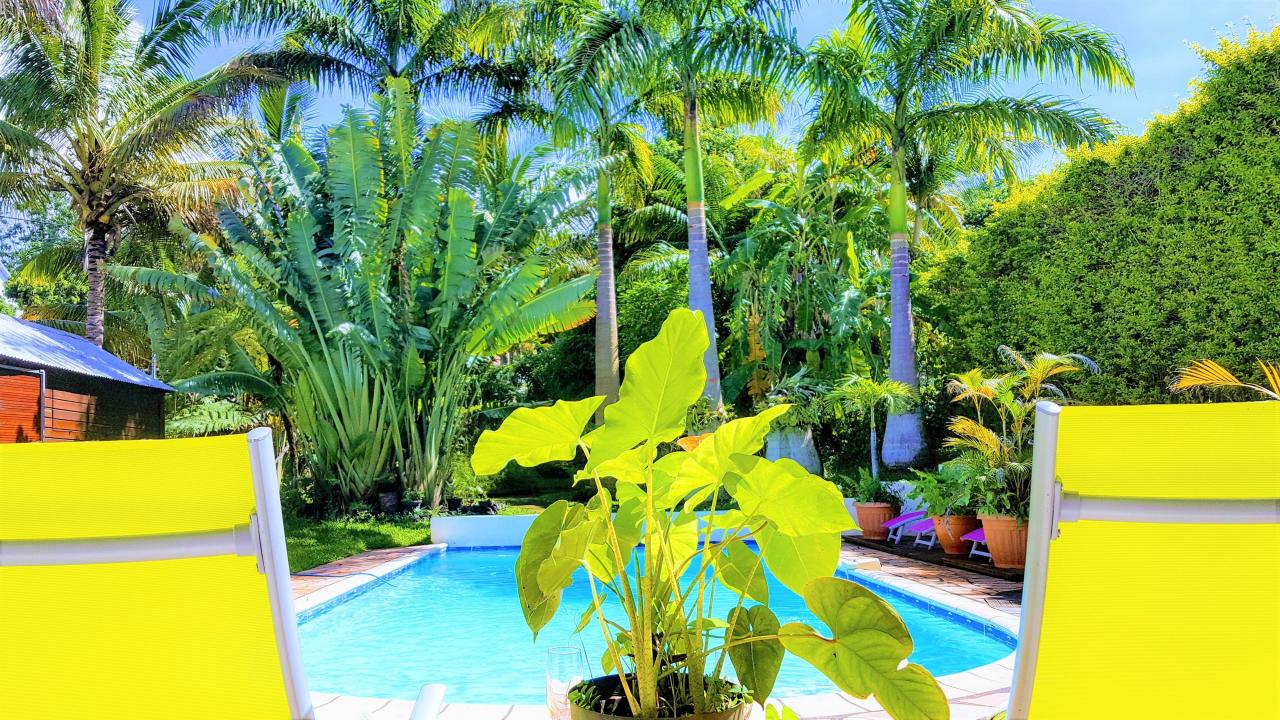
430 700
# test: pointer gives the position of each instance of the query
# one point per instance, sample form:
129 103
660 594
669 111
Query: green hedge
1145 254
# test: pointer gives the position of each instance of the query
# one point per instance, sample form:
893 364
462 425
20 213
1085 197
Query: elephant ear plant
667 642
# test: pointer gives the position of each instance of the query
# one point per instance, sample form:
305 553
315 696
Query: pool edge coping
320 600
994 677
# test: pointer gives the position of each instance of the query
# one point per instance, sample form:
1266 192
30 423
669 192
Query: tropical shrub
378 282
664 644
994 446
1148 253
949 491
1209 375
866 488
864 398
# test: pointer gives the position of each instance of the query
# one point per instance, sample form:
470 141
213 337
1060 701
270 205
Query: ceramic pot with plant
1006 540
947 496
874 505
994 445
651 562
791 435
389 502
412 500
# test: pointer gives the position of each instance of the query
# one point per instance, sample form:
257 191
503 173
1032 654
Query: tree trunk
875 452
95 254
903 432
699 267
606 302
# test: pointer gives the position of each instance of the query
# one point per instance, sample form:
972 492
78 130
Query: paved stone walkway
1003 595
973 695
310 581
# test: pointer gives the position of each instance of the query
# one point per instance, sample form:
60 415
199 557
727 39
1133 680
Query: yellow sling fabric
1164 621
174 639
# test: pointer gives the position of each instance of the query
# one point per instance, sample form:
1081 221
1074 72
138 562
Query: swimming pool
453 617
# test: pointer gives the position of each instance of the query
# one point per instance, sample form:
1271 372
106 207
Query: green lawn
534 504
316 542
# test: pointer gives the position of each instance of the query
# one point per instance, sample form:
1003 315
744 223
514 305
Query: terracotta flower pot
949 528
871 519
1007 540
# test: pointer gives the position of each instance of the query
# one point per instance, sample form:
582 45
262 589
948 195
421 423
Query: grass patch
534 504
316 542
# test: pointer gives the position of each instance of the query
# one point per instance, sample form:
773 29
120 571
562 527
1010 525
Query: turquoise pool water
453 618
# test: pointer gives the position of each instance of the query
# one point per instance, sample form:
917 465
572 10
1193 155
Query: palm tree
1207 374
866 397
726 59
607 46
112 121
359 45
917 78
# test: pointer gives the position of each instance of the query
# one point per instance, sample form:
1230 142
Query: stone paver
976 694
309 581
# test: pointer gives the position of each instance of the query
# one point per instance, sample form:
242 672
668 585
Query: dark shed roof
40 345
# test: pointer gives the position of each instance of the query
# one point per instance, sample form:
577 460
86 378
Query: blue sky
1157 34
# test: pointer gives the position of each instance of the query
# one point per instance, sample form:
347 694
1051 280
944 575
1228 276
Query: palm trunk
875 451
699 267
903 432
95 254
606 303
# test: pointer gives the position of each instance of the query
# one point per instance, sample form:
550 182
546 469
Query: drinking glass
566 667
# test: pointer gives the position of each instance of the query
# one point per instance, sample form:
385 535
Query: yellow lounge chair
148 580
1153 564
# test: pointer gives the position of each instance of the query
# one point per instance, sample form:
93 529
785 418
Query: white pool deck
975 694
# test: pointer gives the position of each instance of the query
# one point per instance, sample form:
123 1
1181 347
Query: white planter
490 531
480 530
795 443
848 504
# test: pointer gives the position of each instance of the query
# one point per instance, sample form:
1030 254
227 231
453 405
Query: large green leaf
694 473
555 573
458 276
631 467
532 436
628 526
796 560
664 376
740 570
794 501
867 652
679 543
756 663
744 436
539 543
355 182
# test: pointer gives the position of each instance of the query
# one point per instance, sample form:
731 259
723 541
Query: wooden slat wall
19 408
108 416
77 407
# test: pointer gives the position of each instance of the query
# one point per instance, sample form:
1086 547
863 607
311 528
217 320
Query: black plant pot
453 504
410 505
487 507
614 707
389 503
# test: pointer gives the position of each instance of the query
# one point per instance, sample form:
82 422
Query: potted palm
873 505
995 445
865 398
653 564
947 496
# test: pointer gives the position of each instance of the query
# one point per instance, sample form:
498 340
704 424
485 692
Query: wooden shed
59 386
